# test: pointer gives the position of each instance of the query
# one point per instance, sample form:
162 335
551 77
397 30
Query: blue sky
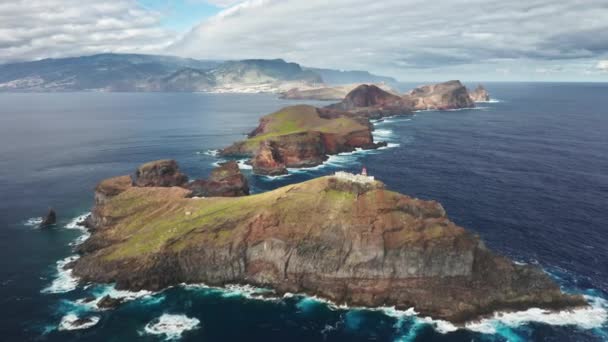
182 15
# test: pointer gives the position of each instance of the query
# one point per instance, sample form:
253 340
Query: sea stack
480 94
441 96
49 219
226 180
160 173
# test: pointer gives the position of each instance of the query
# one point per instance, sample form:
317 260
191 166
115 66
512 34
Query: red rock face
442 96
268 161
308 147
367 246
225 181
480 94
370 101
160 173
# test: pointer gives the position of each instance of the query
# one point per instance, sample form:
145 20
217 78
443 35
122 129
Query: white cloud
405 36
35 29
409 39
219 3
602 65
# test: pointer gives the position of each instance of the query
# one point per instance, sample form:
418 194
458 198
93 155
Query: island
365 245
327 93
301 136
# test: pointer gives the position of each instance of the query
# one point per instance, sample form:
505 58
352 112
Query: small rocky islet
365 246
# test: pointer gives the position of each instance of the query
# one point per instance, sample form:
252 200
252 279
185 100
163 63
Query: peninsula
365 245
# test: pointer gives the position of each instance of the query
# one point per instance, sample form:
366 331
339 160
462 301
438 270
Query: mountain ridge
112 72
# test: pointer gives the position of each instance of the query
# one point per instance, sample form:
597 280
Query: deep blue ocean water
529 174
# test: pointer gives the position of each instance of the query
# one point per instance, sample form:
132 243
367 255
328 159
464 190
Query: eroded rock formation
441 96
225 181
480 94
160 173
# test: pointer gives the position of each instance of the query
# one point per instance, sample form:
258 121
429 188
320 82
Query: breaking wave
33 222
172 326
64 281
72 322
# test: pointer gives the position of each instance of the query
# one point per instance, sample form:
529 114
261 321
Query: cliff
371 101
441 96
364 245
226 180
327 93
301 136
480 94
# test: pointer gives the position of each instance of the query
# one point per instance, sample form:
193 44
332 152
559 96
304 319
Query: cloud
602 66
36 29
404 35
219 3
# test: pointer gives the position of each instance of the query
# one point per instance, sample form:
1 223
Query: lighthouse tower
364 171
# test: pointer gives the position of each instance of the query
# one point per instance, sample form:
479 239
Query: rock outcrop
109 302
373 102
364 245
301 136
442 96
160 173
225 181
480 94
49 219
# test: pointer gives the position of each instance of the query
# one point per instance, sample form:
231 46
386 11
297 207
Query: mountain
337 77
144 73
103 72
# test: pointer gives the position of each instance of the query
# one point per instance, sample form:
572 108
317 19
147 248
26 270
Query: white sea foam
594 316
490 101
212 153
33 222
126 295
70 322
382 134
172 326
64 281
243 164
74 224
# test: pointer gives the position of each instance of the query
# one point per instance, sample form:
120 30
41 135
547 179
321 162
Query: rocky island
365 245
441 96
301 136
327 93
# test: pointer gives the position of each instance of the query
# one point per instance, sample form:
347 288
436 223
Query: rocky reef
364 245
480 94
441 96
301 136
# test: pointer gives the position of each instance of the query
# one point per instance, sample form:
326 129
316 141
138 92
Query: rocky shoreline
366 246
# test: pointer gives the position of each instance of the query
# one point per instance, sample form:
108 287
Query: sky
485 40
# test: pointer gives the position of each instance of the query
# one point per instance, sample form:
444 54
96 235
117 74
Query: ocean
528 172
